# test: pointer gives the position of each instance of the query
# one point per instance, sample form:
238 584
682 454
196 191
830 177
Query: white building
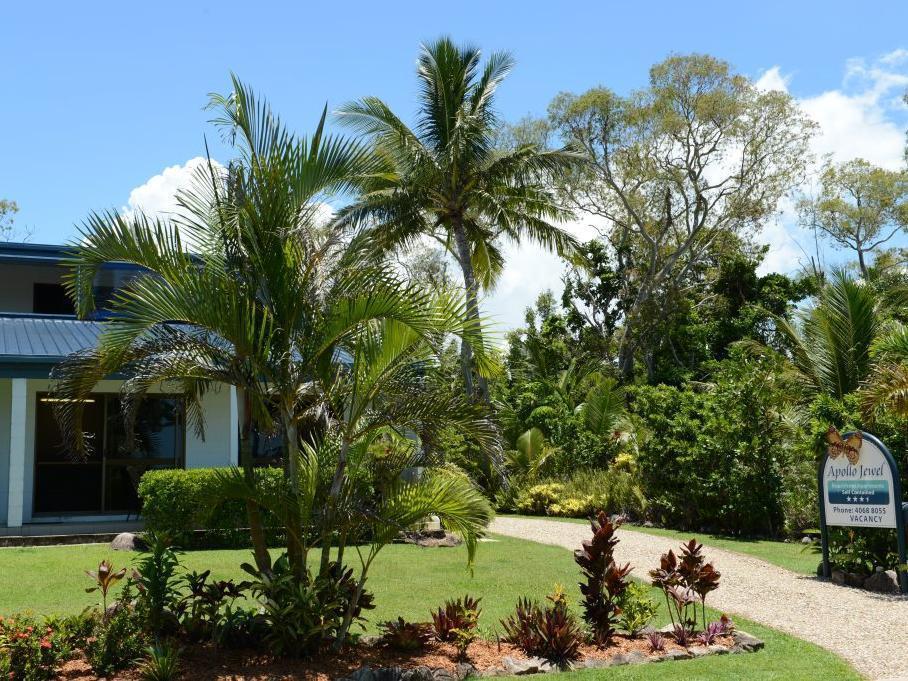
43 489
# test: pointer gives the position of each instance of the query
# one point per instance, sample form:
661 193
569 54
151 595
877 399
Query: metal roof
31 344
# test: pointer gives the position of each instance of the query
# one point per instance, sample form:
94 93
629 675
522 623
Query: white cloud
865 117
530 270
157 196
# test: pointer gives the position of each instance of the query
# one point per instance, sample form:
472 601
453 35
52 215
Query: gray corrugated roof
45 337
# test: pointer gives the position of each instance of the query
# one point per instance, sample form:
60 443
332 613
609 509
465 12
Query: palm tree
445 179
296 314
831 346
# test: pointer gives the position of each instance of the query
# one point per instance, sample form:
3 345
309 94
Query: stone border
743 643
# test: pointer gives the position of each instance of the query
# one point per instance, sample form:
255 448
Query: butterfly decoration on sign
850 447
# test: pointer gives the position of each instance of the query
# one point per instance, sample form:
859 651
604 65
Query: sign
857 484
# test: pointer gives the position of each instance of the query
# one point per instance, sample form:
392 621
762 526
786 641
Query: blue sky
99 98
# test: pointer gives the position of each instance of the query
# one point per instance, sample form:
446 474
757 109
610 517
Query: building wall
5 390
17 292
218 447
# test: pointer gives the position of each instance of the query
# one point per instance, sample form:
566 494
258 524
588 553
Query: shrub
456 615
405 636
585 492
171 506
637 608
605 581
30 650
120 641
300 614
714 456
537 499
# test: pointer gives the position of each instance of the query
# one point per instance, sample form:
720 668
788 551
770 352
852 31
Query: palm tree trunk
328 523
471 286
253 512
295 552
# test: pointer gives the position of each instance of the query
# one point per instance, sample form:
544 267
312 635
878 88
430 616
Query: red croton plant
605 580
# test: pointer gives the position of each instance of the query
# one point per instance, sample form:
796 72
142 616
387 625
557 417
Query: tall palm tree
831 343
268 301
446 180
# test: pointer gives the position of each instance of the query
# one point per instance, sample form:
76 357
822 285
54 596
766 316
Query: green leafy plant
637 608
203 602
162 663
605 581
156 582
300 614
31 650
105 578
462 636
121 640
455 615
405 636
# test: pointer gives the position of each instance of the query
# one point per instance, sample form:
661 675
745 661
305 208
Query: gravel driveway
869 630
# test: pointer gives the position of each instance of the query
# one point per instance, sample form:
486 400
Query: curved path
869 630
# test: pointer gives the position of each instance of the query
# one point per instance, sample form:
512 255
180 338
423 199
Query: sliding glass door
107 481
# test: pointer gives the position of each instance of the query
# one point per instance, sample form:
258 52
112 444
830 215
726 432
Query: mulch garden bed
436 662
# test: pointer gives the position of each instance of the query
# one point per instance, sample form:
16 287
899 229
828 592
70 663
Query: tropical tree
246 286
445 179
859 207
674 169
831 343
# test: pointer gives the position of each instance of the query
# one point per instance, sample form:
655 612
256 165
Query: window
107 481
51 299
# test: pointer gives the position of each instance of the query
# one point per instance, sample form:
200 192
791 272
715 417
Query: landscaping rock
883 581
806 541
431 538
717 650
676 655
387 674
465 670
421 673
855 580
127 541
838 577
597 664
648 523
699 652
745 643
443 675
632 657
533 665
361 674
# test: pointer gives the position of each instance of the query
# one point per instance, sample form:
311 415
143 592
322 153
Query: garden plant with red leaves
606 581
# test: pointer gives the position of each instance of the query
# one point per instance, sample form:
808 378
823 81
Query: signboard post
860 487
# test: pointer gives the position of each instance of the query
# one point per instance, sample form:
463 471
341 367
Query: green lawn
789 555
407 580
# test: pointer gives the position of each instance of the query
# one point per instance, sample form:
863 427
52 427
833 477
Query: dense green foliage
171 506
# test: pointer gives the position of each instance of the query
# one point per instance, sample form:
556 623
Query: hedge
172 505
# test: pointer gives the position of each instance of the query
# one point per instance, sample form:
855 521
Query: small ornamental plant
551 632
685 584
105 578
460 614
605 580
405 636
30 649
